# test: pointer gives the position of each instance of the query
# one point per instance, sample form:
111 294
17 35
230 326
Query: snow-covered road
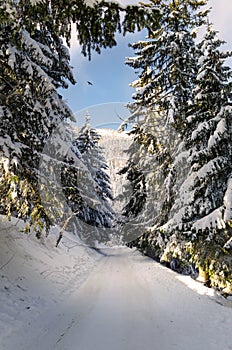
129 302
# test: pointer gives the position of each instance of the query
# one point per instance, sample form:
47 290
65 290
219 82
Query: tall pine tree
202 212
167 65
99 215
34 63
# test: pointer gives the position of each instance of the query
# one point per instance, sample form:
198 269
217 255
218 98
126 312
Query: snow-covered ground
35 276
71 298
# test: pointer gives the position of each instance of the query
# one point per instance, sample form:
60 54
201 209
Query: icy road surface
129 302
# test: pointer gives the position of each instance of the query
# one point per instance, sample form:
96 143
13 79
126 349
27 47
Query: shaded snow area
70 298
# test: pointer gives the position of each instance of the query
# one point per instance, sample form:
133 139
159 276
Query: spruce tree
166 63
100 214
34 63
202 211
134 194
147 169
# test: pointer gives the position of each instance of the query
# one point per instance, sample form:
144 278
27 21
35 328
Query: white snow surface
35 276
71 298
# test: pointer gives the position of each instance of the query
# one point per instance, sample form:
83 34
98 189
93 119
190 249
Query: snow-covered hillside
115 144
35 276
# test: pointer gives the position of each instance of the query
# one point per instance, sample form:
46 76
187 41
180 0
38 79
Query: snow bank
35 275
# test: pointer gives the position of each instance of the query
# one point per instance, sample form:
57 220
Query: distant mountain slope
115 144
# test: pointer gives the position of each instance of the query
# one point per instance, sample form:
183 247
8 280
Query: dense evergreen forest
180 167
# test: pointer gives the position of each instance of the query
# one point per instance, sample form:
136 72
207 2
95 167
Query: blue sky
106 98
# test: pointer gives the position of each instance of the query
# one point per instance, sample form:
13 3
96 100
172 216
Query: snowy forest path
129 302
